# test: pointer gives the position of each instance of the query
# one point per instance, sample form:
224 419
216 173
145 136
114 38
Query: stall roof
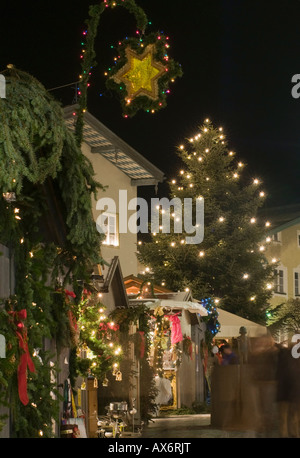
230 326
192 307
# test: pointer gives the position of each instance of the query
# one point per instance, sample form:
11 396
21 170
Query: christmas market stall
176 352
177 335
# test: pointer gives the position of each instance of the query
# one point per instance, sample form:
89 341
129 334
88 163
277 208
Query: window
298 239
276 237
109 222
280 281
296 283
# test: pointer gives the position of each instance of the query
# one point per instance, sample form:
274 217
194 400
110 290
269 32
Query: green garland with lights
88 62
141 316
160 326
98 339
40 158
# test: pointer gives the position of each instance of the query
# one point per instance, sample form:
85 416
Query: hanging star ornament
143 73
140 74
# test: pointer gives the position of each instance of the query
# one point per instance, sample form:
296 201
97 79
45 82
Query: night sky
238 59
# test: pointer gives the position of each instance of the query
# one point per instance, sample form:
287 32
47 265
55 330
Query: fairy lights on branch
99 339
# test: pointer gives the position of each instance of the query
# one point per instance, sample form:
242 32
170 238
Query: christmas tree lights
230 263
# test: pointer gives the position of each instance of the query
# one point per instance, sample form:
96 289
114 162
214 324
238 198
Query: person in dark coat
263 363
288 393
228 355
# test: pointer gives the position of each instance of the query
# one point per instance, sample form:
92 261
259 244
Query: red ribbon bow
70 293
25 359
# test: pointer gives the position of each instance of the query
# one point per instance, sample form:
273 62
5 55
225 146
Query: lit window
109 222
279 281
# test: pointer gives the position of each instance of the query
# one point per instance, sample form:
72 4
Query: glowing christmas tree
229 264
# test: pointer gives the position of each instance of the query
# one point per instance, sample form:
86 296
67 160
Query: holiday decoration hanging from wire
143 73
143 69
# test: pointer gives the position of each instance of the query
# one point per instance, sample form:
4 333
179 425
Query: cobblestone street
190 426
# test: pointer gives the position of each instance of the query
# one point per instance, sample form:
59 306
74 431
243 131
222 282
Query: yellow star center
141 73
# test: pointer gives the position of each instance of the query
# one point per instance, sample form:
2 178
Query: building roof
113 283
285 226
103 141
133 285
281 217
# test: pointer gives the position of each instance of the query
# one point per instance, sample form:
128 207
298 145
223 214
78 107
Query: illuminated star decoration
140 74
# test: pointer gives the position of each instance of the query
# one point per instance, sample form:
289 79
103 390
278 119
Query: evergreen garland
88 62
44 147
89 55
35 420
99 338
141 316
284 318
38 150
31 132
77 185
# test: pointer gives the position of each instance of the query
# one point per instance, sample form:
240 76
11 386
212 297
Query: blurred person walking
288 393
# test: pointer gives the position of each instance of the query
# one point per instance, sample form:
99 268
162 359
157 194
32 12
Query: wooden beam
144 182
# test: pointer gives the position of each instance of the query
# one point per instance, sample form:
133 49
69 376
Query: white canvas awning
230 326
192 307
